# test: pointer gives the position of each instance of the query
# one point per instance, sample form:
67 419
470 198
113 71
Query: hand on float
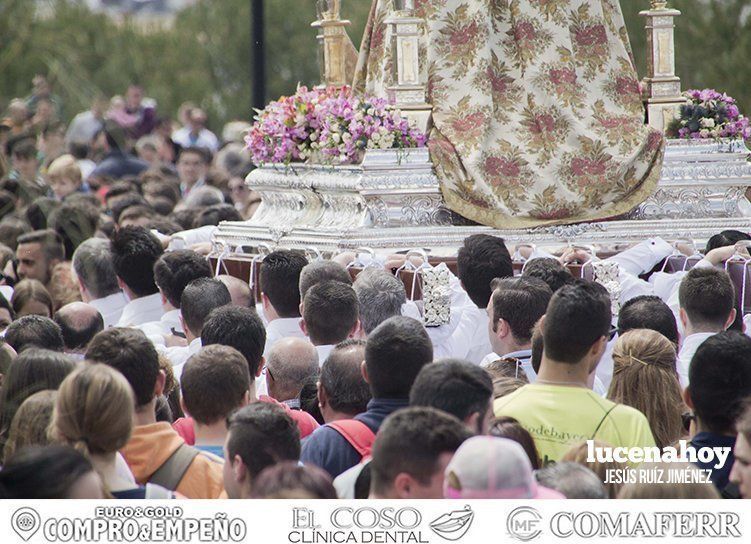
721 254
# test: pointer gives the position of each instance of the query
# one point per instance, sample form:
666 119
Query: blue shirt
329 450
117 164
720 476
216 450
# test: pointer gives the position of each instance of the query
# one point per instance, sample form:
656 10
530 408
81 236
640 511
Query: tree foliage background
204 56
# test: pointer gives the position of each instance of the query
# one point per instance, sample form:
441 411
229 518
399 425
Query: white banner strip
374 522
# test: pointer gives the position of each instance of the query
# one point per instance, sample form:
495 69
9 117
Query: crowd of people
132 369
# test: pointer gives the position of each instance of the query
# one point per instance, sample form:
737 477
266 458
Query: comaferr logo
524 523
454 525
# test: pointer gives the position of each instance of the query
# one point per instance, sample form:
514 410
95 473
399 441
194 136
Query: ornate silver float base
393 201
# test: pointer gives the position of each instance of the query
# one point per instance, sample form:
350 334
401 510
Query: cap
488 467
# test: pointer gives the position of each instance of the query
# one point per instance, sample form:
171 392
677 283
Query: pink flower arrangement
709 114
327 125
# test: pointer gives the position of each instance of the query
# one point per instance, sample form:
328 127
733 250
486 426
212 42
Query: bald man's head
239 291
79 322
291 362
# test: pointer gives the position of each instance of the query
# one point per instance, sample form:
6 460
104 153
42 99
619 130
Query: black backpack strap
174 468
603 421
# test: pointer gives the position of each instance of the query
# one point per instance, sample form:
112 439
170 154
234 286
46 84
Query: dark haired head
290 480
261 435
214 383
173 271
725 238
198 299
5 304
648 312
341 378
200 152
133 355
320 271
134 252
411 441
454 386
240 328
395 353
79 323
184 217
34 331
720 380
707 297
48 472
74 222
39 211
32 371
480 260
213 215
25 149
30 290
549 270
330 312
279 277
120 188
125 202
578 316
520 302
52 251
309 402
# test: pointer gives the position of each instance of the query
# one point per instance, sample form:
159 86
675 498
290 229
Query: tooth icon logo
454 525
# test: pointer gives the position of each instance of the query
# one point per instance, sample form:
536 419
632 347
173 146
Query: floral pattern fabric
537 117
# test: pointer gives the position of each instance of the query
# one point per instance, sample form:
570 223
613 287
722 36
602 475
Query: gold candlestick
331 42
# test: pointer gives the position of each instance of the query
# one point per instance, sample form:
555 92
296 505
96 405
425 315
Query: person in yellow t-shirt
559 409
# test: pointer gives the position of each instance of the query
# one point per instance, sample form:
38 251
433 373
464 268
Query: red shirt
305 422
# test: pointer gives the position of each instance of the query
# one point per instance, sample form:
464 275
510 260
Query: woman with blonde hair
30 424
644 377
94 413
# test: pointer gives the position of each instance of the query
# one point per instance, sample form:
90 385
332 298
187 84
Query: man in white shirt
707 299
134 252
329 316
195 133
481 259
279 277
173 271
515 307
199 298
97 281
